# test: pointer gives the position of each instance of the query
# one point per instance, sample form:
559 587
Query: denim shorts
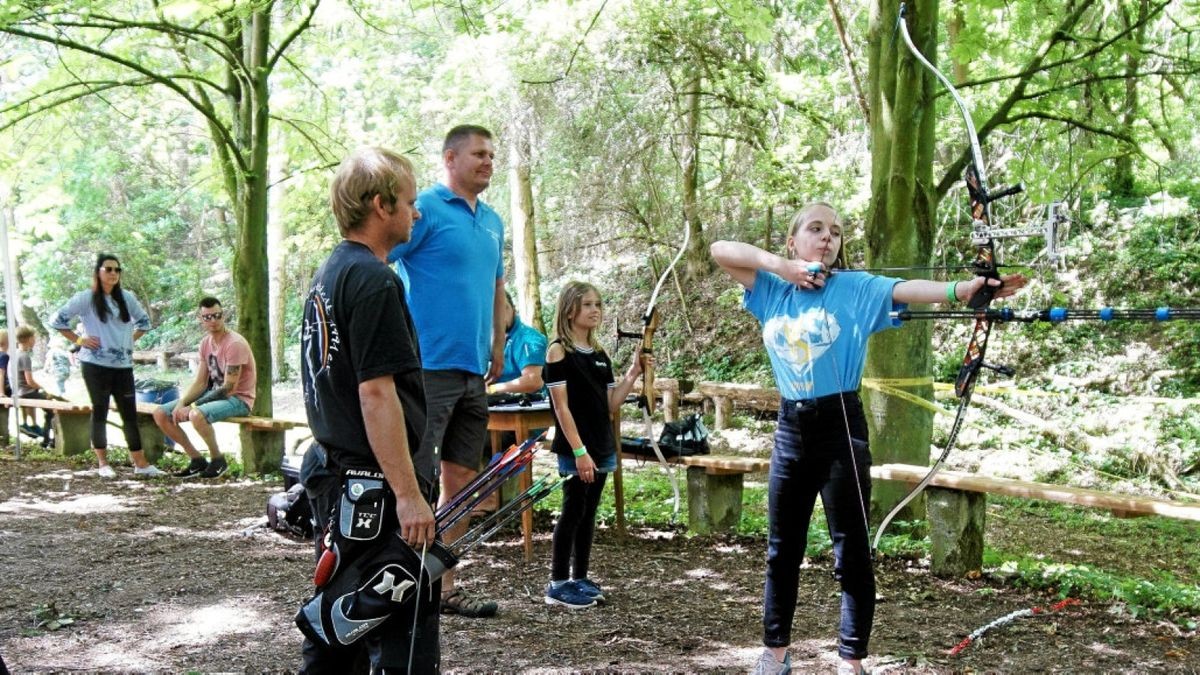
216 410
566 465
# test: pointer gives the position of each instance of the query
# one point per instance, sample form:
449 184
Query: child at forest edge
815 329
29 388
583 397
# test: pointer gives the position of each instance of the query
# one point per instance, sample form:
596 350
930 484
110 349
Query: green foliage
1116 572
1164 597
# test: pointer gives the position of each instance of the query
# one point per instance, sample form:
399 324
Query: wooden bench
956 502
72 431
714 488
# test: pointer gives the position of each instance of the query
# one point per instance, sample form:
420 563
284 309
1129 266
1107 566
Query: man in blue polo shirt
454 268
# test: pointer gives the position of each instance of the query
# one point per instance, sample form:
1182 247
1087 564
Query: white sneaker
148 471
767 665
106 471
847 668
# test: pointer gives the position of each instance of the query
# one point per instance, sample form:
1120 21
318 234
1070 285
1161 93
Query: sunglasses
106 268
212 317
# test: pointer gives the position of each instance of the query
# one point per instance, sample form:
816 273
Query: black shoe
196 467
33 430
215 468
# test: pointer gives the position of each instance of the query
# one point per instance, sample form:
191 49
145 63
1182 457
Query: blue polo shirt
523 347
450 268
817 338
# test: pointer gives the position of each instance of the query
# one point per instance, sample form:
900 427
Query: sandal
481 513
458 602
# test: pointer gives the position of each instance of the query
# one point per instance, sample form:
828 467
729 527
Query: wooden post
154 443
72 433
5 439
618 477
669 389
723 411
956 526
270 460
714 500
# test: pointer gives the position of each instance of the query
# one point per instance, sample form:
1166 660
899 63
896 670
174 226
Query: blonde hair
364 174
801 218
570 301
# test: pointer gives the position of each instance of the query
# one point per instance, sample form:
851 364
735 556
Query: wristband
580 451
79 341
952 292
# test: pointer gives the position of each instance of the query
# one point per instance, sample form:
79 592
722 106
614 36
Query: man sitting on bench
224 387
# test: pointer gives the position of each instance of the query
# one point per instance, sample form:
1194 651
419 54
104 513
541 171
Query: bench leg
956 525
154 442
723 408
5 438
72 433
714 501
262 451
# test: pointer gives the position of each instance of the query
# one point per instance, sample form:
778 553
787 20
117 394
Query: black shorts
456 416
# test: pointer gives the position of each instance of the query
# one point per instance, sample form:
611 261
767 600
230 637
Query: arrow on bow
984 265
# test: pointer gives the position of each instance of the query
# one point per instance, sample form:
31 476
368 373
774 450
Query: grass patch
1146 567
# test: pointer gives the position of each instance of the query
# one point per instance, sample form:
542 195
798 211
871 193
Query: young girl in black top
583 397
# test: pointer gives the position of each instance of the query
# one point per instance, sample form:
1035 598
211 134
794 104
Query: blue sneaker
590 589
568 595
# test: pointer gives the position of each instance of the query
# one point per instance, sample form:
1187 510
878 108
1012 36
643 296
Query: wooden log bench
956 502
72 432
725 394
264 432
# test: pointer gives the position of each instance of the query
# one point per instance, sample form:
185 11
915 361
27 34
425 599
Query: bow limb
647 401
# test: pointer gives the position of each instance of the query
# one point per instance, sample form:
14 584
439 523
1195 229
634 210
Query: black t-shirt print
356 328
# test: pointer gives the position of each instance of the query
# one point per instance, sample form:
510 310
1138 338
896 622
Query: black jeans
117 383
571 545
813 455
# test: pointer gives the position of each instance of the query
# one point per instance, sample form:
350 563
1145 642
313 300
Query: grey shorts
456 416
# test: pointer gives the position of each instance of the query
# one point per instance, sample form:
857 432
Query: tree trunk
275 255
697 261
524 229
251 277
1122 181
900 226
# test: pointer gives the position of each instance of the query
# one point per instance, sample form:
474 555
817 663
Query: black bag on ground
291 512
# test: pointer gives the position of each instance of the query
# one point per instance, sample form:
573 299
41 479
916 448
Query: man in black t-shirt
363 392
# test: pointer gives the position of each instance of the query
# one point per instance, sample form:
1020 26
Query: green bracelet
952 292
580 451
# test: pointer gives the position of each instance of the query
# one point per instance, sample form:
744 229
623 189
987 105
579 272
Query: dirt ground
173 576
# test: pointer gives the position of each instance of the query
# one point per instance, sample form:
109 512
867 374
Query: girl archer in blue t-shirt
815 329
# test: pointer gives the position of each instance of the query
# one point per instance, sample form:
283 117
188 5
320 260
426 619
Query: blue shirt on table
817 339
450 268
523 347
